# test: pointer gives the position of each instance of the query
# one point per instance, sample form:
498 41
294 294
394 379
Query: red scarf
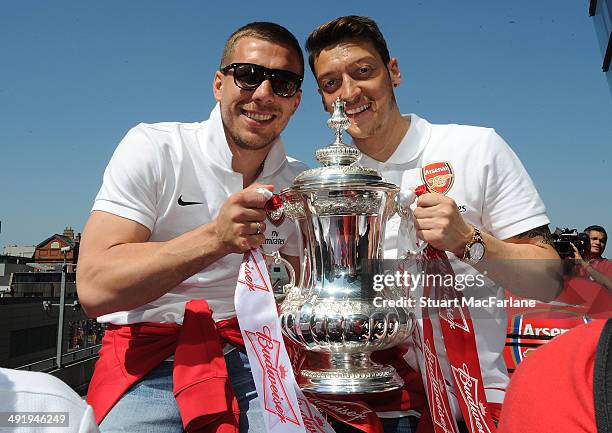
130 352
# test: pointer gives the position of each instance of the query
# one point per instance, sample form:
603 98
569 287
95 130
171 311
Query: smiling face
354 71
254 119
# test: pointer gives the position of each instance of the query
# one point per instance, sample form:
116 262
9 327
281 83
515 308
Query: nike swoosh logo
187 203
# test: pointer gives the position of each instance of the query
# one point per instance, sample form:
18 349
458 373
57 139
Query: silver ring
258 232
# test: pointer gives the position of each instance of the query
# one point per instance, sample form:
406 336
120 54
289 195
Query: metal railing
70 358
73 330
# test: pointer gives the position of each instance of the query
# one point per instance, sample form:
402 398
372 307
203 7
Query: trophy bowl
340 211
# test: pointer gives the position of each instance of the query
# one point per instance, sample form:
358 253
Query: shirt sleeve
131 179
512 204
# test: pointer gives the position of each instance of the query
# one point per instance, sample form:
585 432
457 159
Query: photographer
579 360
593 265
588 276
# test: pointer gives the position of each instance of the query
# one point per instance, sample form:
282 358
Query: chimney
69 233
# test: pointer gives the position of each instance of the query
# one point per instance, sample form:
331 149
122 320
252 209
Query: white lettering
377 283
436 387
435 170
341 410
546 331
468 391
401 302
438 303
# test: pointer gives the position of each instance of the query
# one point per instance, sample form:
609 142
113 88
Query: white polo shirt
494 193
29 391
174 177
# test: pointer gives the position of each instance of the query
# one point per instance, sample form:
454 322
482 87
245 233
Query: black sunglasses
248 76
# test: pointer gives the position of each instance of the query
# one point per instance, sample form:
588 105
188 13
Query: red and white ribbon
459 342
284 406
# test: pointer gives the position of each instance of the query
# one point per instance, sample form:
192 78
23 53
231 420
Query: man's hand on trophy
240 225
439 223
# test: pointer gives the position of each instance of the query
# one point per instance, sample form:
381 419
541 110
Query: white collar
411 146
214 144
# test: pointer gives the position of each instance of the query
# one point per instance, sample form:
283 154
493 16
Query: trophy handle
277 260
412 244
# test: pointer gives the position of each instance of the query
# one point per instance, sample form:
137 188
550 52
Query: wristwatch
475 248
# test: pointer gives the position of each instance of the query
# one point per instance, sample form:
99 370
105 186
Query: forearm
526 264
599 277
531 270
128 275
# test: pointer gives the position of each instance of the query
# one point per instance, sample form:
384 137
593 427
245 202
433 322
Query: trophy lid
340 161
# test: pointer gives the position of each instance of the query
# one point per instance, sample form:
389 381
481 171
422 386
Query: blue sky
75 76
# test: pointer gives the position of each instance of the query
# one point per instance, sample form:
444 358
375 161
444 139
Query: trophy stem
349 373
340 210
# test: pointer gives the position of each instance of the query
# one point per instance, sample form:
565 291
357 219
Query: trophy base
360 380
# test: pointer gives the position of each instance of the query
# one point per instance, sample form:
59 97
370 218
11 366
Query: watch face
477 250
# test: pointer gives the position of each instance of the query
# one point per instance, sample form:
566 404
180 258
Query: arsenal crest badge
438 176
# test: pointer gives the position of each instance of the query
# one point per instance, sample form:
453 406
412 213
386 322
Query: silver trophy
341 210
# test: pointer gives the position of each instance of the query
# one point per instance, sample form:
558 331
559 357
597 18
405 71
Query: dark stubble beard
248 145
380 126
245 144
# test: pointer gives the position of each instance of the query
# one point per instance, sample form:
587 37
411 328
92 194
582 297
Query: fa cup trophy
341 210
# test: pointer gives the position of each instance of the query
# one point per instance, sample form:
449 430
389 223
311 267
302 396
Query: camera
564 238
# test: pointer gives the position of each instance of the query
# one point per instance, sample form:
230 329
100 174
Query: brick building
50 252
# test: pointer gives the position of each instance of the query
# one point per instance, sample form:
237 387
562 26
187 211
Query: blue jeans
150 407
406 424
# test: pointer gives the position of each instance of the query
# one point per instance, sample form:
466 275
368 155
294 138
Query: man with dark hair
593 268
481 206
179 205
599 238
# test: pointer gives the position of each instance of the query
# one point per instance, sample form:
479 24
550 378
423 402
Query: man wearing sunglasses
481 205
178 207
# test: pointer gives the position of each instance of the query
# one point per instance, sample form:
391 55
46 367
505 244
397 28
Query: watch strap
476 237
